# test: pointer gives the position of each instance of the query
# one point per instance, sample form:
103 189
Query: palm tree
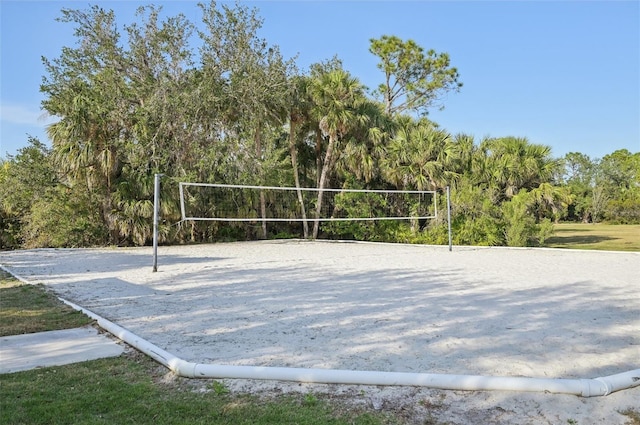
337 97
462 149
418 156
364 145
299 115
548 197
87 144
513 164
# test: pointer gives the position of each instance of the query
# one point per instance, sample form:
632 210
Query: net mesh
217 202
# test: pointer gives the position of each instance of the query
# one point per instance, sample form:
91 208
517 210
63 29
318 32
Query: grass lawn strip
32 308
604 237
131 389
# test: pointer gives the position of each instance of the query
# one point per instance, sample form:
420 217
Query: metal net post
156 213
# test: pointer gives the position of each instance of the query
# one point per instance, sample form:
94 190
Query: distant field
609 237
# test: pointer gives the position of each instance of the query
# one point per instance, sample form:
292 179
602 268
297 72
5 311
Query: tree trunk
263 202
296 178
318 157
322 183
263 213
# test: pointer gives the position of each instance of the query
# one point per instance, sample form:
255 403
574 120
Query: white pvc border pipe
601 386
583 387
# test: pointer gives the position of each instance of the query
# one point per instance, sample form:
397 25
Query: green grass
608 237
128 390
31 308
134 389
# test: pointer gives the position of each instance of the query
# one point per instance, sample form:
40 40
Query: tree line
216 103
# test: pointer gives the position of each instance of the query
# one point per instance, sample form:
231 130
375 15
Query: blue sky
561 73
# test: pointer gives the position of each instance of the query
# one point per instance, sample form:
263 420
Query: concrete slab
55 348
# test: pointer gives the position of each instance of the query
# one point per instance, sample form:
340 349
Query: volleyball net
244 203
334 207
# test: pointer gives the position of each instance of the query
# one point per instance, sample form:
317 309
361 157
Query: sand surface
388 307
